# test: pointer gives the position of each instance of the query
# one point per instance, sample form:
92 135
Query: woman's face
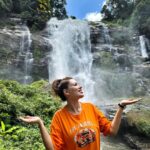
74 90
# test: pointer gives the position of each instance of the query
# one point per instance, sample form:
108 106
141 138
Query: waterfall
107 37
143 46
26 53
71 54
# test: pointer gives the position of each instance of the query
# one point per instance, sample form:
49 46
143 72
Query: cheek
73 91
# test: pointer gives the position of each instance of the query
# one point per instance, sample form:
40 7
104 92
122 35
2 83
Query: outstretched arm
44 133
117 118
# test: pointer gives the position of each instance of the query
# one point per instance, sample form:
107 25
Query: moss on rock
139 117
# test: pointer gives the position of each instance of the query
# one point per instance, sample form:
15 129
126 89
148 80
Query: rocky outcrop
117 51
123 72
13 62
135 124
112 41
117 61
137 142
114 50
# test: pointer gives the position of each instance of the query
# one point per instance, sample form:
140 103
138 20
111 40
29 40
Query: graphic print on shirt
85 137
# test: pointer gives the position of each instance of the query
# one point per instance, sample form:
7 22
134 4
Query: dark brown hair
59 85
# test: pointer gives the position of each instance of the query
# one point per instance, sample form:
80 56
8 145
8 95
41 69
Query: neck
74 107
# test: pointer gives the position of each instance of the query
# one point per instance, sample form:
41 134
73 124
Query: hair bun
59 85
55 86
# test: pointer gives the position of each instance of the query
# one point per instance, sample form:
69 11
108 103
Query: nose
80 87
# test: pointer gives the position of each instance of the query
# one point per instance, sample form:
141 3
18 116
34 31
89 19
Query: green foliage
21 138
58 9
140 120
19 100
2 126
11 132
126 13
27 99
39 84
121 38
140 18
5 7
117 9
107 60
36 13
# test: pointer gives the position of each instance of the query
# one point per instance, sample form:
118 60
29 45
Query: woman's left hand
129 101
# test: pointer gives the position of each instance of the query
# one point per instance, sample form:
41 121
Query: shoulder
60 111
58 114
88 105
91 106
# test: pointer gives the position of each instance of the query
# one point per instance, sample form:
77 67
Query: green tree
141 17
35 12
58 9
117 9
6 7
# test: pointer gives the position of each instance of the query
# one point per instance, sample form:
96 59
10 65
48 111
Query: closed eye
75 84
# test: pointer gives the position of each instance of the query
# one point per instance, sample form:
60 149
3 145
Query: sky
85 9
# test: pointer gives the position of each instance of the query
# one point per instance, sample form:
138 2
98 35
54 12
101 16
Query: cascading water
107 37
26 54
71 54
143 46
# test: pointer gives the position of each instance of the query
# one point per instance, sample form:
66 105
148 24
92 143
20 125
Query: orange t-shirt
79 132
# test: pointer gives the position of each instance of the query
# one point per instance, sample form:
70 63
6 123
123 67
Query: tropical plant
19 100
11 132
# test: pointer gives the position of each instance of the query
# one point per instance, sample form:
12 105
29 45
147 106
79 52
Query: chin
81 96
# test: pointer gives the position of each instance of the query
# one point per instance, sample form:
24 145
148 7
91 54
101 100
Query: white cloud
93 16
104 3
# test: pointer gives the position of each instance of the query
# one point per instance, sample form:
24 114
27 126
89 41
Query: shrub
19 100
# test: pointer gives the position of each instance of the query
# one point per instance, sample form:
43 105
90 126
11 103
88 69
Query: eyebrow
74 83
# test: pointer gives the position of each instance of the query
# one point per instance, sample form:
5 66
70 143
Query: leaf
12 129
2 126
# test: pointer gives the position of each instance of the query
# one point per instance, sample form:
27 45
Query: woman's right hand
31 119
45 135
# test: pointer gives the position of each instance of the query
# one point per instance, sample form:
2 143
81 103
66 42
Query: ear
66 92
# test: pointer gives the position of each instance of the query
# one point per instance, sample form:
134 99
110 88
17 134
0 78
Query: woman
77 125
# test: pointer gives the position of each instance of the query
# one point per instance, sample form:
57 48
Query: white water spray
107 37
143 46
71 54
26 53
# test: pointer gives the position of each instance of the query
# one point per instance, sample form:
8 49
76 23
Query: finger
138 99
28 117
25 119
134 101
21 118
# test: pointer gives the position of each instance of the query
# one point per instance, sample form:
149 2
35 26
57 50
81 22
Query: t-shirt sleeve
104 123
56 134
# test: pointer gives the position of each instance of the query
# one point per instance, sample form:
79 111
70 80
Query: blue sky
80 8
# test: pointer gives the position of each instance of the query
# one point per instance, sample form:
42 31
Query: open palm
129 101
31 119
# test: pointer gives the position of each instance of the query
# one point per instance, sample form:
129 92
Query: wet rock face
144 70
118 50
113 42
113 48
135 123
137 142
8 40
12 62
